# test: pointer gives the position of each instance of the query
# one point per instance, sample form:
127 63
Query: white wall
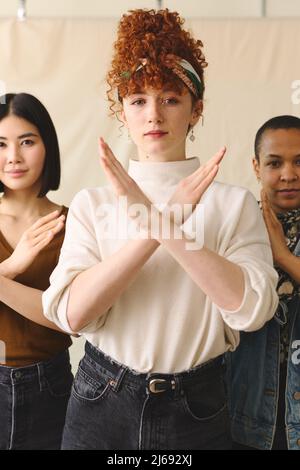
252 65
188 8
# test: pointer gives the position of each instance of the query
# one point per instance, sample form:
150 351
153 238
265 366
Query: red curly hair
153 35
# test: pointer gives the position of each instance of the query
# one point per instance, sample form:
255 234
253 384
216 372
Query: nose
13 155
155 113
288 174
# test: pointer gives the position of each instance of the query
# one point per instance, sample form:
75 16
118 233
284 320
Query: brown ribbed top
27 342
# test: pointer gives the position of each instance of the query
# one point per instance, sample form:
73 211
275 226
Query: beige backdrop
253 65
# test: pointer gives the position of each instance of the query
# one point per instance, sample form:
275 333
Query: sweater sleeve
241 238
79 252
249 248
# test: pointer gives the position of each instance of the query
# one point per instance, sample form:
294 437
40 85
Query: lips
16 173
289 191
286 190
156 133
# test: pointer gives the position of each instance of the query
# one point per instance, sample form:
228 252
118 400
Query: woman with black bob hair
28 107
35 372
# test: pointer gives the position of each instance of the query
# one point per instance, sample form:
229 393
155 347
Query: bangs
158 80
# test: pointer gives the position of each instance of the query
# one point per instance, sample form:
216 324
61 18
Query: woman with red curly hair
160 269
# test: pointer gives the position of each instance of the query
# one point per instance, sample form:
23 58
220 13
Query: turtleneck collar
167 173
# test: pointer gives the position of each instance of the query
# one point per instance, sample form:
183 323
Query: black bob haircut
26 106
275 123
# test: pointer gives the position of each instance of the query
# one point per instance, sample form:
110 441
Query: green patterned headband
181 67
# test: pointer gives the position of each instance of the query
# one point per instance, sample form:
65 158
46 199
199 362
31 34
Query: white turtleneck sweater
164 322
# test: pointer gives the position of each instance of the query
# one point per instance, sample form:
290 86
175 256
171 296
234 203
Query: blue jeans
113 407
33 403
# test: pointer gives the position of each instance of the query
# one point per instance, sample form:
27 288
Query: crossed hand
189 190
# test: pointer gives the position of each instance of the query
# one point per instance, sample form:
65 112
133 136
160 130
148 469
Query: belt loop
116 382
42 378
178 385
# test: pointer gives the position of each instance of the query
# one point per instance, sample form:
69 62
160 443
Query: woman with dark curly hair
161 268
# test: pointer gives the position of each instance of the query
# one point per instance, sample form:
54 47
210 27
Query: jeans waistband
35 371
155 383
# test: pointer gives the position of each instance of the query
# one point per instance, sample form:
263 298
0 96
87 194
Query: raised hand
190 189
124 185
275 230
33 240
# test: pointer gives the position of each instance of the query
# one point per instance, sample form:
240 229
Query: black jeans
33 404
113 407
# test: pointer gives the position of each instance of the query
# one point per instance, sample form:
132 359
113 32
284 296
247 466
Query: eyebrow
272 155
163 90
28 134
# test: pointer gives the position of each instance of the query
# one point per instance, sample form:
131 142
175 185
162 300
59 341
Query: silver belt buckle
153 383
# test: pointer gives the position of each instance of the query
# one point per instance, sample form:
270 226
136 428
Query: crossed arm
23 299
98 287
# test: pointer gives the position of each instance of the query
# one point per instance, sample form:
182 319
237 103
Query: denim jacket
253 384
253 370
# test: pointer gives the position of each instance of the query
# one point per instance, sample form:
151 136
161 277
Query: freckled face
158 122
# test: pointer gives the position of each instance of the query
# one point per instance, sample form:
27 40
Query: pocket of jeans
60 386
87 389
205 401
